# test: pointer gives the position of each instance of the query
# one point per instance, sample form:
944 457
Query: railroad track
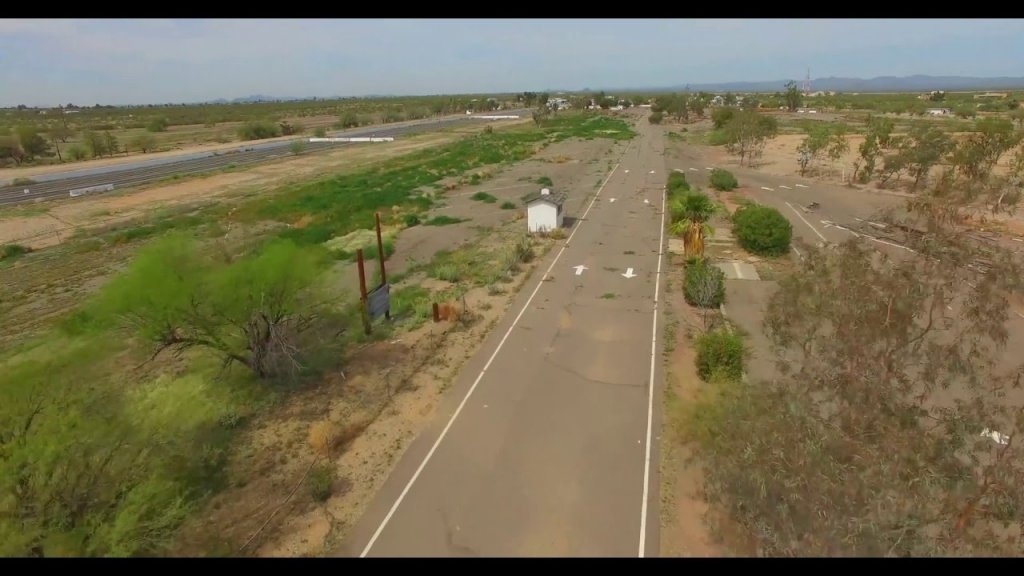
129 176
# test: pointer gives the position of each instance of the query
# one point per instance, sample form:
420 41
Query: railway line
119 178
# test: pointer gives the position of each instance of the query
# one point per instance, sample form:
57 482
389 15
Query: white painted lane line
736 268
694 170
650 384
798 254
679 170
809 225
800 186
501 343
784 187
829 224
1018 239
706 168
767 188
1019 314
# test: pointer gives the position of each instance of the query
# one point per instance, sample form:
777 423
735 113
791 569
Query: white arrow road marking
694 170
629 273
800 186
767 188
809 225
784 187
580 269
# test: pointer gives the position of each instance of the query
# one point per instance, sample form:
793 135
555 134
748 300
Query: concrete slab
738 270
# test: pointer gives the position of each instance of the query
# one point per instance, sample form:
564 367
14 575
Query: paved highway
550 450
60 185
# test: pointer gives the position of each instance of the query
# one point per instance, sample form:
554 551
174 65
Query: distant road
60 185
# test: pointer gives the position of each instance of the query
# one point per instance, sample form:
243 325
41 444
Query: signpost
377 302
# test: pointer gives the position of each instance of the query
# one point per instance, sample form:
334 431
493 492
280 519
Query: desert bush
720 352
677 184
321 481
320 132
484 197
656 117
259 130
762 230
411 220
508 205
704 284
12 251
723 180
158 124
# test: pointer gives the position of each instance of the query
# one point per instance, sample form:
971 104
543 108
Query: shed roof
556 198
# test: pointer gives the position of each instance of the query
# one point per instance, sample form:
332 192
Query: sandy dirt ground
390 389
47 224
781 158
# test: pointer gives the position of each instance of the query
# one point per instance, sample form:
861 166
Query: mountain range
917 83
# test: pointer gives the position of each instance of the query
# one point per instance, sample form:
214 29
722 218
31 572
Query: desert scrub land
209 389
35 141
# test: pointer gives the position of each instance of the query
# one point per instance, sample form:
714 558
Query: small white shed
545 211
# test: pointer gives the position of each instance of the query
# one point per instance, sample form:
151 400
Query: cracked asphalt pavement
547 455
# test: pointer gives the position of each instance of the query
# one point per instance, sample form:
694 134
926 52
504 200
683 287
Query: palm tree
690 215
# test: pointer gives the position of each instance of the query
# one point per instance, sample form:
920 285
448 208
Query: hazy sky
49 62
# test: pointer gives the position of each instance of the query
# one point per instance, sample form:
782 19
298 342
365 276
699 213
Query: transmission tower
807 83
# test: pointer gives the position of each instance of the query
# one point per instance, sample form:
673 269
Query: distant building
545 211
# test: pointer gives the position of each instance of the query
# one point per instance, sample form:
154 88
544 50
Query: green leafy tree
33 143
794 99
747 133
144 142
251 312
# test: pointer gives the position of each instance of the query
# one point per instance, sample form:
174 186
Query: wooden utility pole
364 301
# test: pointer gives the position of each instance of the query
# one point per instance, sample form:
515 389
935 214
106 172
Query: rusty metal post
380 255
364 300
437 313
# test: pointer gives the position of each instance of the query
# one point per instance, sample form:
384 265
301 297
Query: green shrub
717 138
677 184
12 251
704 285
762 230
321 479
484 197
507 205
656 118
723 180
720 352
259 130
411 220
